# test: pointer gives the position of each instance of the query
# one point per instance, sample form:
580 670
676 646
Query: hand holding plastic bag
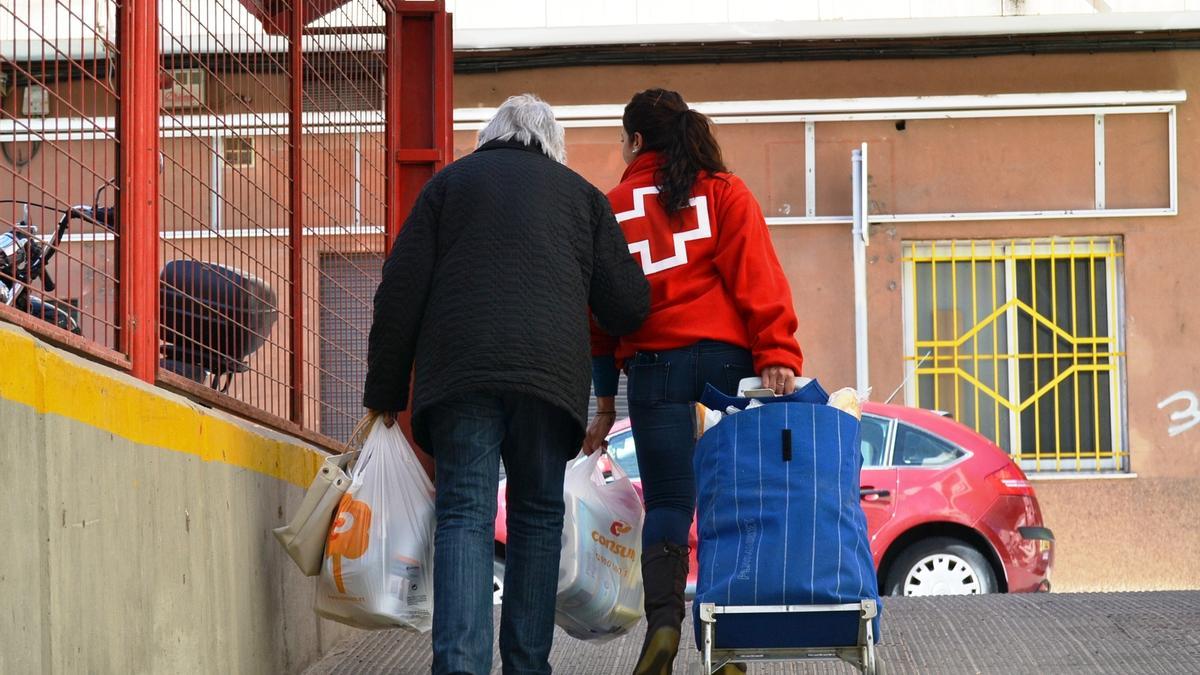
600 574
378 566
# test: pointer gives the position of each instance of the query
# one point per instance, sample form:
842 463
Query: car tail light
1010 480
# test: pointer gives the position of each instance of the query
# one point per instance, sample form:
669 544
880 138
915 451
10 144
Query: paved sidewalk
1092 633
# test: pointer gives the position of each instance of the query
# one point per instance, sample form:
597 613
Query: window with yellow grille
1022 341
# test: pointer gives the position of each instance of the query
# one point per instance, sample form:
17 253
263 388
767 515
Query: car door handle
872 492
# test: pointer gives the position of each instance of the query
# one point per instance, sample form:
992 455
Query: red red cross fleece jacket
712 270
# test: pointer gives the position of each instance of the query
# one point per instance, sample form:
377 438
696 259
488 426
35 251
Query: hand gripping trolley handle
789 633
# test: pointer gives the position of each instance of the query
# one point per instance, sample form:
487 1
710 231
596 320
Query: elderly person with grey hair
487 293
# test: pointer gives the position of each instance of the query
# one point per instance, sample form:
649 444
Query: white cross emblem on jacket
642 248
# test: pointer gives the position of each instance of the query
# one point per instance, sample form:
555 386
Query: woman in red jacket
721 310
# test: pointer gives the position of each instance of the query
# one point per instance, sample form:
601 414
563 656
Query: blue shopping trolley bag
778 514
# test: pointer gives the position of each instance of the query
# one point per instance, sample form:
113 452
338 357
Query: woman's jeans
468 437
663 389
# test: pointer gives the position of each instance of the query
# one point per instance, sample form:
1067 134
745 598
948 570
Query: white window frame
810 112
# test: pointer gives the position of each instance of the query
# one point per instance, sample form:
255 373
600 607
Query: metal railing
258 158
42 175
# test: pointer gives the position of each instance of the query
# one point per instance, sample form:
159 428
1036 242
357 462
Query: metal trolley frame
861 654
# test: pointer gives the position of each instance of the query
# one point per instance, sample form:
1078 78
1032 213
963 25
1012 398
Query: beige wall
1116 533
138 528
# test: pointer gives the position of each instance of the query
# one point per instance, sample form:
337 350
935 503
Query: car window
621 448
919 448
873 440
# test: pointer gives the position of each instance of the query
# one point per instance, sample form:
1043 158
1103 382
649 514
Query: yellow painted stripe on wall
52 382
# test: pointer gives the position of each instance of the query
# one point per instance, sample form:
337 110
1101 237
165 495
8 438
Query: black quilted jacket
489 283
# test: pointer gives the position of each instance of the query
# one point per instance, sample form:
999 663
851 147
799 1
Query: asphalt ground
1093 633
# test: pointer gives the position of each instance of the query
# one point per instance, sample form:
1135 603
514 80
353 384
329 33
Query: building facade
1029 196
1027 266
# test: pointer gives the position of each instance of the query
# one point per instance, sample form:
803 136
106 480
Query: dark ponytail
683 135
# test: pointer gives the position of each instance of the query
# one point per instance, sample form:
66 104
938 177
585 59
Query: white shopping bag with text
600 573
378 565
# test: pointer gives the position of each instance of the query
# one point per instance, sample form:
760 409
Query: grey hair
526 119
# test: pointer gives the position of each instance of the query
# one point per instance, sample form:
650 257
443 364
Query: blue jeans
663 389
468 437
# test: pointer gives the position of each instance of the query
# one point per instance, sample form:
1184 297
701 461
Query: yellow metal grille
1022 341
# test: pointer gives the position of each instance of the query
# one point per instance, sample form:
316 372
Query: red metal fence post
296 203
418 108
444 86
392 112
137 37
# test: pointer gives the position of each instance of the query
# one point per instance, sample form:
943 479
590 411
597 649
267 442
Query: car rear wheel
941 566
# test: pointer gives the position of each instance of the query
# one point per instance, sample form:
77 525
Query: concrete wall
137 528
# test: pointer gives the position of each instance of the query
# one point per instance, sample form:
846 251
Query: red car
949 513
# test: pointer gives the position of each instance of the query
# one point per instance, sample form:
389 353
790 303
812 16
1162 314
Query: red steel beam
418 105
275 15
393 217
418 129
137 40
444 86
296 203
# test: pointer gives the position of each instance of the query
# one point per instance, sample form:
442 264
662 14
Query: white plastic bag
378 566
600 572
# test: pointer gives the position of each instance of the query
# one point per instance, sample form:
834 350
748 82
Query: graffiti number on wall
1185 418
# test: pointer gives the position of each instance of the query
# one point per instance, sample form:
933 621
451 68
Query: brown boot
664 575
